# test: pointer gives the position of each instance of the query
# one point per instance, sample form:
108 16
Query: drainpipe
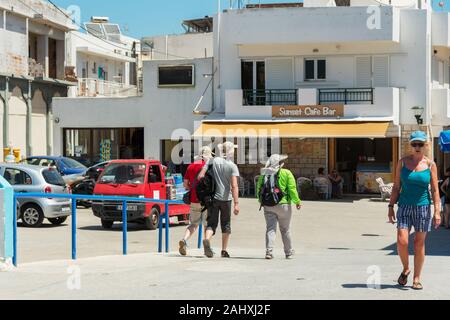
6 116
29 122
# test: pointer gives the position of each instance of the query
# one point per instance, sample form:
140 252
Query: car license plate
130 207
65 209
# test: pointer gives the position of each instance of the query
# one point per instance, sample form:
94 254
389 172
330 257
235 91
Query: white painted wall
179 46
159 111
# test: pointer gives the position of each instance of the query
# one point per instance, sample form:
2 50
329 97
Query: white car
35 179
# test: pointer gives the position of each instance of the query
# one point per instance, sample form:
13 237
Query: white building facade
105 65
32 72
331 86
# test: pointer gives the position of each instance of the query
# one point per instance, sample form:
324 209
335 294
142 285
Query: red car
137 179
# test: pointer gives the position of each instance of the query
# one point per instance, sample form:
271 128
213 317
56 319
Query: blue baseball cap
418 136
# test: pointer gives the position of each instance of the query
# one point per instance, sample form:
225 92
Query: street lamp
418 112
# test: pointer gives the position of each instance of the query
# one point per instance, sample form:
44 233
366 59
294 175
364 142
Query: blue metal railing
124 200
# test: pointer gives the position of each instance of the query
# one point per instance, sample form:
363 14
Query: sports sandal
417 286
403 279
182 247
225 254
207 247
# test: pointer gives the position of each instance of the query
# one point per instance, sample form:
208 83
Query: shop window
176 76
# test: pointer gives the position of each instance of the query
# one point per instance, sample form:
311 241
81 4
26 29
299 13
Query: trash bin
16 153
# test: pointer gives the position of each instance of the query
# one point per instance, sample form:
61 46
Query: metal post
160 234
166 208
124 226
200 232
74 229
14 230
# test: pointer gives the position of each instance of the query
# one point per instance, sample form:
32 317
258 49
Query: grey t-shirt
223 171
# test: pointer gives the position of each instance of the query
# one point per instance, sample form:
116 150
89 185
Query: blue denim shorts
418 217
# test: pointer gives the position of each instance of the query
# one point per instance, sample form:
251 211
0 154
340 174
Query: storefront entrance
361 161
91 146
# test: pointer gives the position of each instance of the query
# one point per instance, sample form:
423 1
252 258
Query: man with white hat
279 184
225 174
190 179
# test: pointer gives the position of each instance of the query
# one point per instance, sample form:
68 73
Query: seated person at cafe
337 184
322 184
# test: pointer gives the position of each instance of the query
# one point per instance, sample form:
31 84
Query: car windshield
123 173
51 176
72 164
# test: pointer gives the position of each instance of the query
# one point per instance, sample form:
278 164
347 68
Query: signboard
318 111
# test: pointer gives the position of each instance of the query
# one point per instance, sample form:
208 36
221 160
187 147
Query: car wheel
107 224
57 221
152 221
32 216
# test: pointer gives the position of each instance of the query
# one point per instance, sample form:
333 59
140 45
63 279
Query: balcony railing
88 87
346 96
269 97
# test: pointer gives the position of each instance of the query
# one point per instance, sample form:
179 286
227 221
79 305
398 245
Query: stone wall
406 133
306 156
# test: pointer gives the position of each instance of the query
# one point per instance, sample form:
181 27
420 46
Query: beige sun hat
274 161
205 154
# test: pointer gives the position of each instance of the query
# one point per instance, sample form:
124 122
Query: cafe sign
317 111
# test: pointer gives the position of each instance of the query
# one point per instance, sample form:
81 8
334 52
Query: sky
149 17
139 18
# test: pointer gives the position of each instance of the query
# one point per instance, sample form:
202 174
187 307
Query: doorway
360 161
253 81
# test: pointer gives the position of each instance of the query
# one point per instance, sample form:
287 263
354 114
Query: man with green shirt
282 212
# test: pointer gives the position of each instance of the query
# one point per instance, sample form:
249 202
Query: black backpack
270 194
205 188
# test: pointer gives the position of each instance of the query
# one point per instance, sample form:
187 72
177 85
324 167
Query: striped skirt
418 217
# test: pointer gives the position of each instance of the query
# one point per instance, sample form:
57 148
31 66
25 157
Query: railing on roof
88 87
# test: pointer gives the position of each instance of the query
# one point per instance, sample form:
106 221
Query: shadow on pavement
215 257
131 227
437 244
382 287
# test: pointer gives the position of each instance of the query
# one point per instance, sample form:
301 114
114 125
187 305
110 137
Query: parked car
36 179
95 171
137 179
86 184
65 166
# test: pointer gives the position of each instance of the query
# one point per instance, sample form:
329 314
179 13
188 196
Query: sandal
403 279
417 286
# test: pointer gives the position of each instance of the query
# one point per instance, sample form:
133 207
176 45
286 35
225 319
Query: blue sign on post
6 221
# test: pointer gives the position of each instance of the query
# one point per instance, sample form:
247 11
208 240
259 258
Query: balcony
88 87
359 104
269 97
346 96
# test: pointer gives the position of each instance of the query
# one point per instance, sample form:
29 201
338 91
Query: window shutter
279 74
380 71
363 72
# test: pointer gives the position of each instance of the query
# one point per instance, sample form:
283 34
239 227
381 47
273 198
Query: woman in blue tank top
415 176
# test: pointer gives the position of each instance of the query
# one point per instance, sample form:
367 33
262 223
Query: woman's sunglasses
417 145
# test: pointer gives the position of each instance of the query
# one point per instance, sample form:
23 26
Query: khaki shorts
196 215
